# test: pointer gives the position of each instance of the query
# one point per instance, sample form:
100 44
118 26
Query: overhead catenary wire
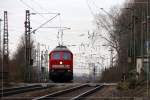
32 9
90 8
114 18
45 23
59 35
95 13
111 16
36 12
60 30
35 2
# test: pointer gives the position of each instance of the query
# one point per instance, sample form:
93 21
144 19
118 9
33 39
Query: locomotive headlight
60 62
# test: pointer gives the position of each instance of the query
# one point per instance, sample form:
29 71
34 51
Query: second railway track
18 90
75 93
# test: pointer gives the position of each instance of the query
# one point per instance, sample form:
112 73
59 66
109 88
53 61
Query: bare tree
116 26
107 23
18 60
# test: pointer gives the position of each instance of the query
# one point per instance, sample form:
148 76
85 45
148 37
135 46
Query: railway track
18 90
75 93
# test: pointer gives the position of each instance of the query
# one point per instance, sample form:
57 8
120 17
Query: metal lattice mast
27 45
1 64
5 48
0 40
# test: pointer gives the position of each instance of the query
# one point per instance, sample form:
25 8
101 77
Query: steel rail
60 92
83 95
18 90
19 87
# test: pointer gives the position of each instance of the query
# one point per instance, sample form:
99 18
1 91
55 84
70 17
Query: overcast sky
75 14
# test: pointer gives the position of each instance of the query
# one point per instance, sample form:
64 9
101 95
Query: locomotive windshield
66 56
56 55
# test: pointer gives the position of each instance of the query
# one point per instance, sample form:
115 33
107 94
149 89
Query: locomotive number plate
58 66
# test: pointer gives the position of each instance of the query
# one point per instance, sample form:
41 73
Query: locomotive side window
66 56
56 55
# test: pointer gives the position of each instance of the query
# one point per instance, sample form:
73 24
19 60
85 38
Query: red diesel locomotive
61 64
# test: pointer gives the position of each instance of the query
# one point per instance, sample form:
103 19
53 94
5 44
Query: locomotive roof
61 48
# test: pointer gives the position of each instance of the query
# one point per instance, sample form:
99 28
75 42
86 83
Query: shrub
123 86
132 79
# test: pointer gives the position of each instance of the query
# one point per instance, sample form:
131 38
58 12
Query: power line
90 8
45 23
32 8
38 4
44 17
111 16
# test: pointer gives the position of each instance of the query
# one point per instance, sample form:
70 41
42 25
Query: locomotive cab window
55 55
66 56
